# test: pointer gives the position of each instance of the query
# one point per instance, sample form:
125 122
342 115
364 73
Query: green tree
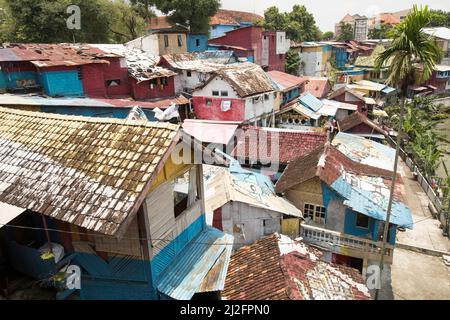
192 13
299 24
346 32
274 19
126 22
438 18
380 32
410 45
44 21
327 36
292 62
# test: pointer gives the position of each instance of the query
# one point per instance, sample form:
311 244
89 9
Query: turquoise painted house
121 207
343 190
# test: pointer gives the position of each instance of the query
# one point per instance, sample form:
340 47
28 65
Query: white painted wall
265 51
147 44
255 109
216 84
283 44
185 83
313 63
246 223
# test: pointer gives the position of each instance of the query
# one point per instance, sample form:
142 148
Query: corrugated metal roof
285 81
311 102
240 185
16 54
439 32
187 275
365 151
33 100
298 107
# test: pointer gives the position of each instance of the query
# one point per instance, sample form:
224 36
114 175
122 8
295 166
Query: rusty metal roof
16 54
91 172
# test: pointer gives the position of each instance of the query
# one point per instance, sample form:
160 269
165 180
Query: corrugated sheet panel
311 102
193 264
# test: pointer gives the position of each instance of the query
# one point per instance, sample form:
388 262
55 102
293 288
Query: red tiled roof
356 119
388 18
277 268
231 17
318 86
285 80
255 144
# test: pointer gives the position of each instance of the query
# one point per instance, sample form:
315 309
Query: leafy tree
439 18
274 19
143 8
346 32
44 21
410 45
292 62
192 13
126 22
327 36
380 32
299 24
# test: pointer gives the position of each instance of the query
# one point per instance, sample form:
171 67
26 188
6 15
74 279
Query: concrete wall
257 105
173 46
149 44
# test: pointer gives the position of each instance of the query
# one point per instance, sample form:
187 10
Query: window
113 83
266 96
166 40
164 81
315 212
362 221
224 93
214 27
185 191
180 40
215 93
80 74
208 102
197 43
189 73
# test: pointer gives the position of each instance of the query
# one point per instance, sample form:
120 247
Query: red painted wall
361 128
142 91
439 83
93 80
276 61
113 71
214 111
248 37
217 219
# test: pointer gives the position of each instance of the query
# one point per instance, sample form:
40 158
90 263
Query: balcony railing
340 243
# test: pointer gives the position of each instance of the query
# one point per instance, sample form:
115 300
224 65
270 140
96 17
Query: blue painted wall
103 112
341 57
219 30
350 227
168 253
197 42
288 96
8 80
61 83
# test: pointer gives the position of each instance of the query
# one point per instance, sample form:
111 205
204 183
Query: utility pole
391 196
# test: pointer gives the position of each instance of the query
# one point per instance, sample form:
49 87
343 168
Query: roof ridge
125 122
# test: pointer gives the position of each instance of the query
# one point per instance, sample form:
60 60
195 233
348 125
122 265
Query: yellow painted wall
291 227
307 192
173 43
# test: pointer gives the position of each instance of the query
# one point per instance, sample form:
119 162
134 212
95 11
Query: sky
329 12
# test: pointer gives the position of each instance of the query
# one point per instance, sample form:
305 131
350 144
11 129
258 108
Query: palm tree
410 47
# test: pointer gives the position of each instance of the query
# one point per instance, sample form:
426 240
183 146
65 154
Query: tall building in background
361 28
